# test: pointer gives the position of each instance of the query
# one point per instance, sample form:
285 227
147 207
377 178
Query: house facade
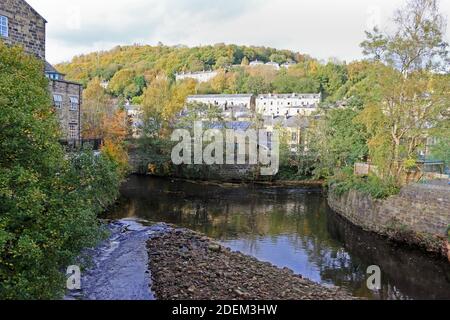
203 76
225 101
21 25
287 104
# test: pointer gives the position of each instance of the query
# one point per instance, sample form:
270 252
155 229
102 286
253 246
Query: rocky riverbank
189 266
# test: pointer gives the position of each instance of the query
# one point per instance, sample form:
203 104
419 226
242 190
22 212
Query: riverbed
288 227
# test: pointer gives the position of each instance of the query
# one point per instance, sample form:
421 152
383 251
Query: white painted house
225 100
203 76
287 104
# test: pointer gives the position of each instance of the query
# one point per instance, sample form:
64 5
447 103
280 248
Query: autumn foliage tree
115 133
412 97
97 105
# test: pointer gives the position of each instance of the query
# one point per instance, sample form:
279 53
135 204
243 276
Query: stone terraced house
21 25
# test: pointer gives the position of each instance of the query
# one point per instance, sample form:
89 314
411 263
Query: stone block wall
421 209
66 116
25 27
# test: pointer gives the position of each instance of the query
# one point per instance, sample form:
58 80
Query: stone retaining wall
420 214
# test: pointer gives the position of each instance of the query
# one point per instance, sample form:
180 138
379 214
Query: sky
321 28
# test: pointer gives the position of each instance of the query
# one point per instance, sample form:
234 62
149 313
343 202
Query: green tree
48 202
411 97
418 41
337 141
121 80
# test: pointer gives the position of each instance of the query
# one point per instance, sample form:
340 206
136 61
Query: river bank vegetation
49 199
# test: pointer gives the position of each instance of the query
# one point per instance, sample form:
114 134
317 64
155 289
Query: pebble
207 271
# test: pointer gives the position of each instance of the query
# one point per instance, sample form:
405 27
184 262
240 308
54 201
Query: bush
48 201
345 180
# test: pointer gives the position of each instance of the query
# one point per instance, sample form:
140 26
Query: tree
418 42
401 120
410 97
223 62
257 85
48 201
278 58
96 106
121 80
337 141
163 101
115 132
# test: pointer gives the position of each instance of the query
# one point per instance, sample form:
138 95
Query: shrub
345 180
48 201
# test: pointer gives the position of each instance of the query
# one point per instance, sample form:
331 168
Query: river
289 227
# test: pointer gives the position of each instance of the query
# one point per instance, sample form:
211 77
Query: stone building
296 128
202 76
225 101
66 97
21 25
287 104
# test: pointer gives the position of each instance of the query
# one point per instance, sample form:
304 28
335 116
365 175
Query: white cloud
322 28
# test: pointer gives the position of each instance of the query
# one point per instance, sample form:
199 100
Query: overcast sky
322 28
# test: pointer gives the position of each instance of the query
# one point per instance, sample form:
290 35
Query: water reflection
291 228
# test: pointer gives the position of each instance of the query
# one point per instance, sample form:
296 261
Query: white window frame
74 103
57 101
4 26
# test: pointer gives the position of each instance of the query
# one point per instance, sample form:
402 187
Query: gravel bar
186 265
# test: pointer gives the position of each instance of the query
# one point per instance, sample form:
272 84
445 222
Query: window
57 101
74 103
53 76
73 131
4 26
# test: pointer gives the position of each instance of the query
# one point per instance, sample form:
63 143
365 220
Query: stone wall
420 214
25 26
139 164
66 116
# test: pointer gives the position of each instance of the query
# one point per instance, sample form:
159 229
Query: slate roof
49 68
289 122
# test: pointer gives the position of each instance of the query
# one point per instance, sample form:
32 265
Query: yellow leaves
116 131
116 127
165 99
96 106
116 151
152 168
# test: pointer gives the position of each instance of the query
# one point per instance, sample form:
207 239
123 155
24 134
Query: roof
290 95
50 69
289 122
194 73
34 10
205 96
234 125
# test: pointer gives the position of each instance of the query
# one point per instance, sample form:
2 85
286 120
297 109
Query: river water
289 227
